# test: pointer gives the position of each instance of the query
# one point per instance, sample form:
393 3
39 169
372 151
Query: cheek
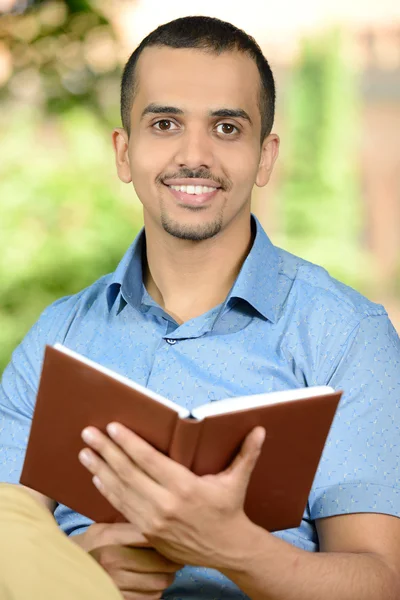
143 169
242 163
244 175
147 160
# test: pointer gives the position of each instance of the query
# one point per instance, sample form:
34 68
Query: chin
195 232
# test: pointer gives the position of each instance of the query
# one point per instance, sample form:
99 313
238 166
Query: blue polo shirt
285 324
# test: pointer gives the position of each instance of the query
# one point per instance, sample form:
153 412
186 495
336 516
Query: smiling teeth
193 189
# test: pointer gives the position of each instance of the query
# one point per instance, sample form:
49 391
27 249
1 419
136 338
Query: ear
121 144
269 154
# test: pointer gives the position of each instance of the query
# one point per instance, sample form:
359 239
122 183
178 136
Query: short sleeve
359 468
19 386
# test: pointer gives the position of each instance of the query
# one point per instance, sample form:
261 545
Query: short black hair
210 35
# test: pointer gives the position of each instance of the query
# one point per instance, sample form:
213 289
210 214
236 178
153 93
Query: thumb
123 534
245 461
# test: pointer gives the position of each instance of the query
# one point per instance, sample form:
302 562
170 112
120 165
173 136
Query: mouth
193 195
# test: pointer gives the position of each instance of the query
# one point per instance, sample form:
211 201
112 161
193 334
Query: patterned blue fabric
285 324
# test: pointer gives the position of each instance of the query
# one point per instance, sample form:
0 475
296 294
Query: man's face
180 136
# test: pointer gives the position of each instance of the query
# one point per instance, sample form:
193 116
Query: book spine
184 441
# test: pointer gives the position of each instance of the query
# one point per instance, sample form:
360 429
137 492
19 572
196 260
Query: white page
221 407
182 412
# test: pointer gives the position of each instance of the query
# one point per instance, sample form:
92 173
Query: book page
182 412
220 407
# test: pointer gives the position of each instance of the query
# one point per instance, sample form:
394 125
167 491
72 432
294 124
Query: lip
193 199
205 182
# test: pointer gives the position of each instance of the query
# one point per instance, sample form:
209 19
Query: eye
162 124
230 128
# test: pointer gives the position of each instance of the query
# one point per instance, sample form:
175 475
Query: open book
75 392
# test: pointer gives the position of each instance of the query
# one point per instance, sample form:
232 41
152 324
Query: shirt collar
257 282
128 276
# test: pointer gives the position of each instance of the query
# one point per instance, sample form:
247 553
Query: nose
195 149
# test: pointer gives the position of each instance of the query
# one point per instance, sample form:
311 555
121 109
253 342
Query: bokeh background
65 219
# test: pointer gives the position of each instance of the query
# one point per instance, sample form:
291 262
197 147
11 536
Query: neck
188 278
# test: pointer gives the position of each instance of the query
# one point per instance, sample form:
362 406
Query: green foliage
66 218
64 54
320 197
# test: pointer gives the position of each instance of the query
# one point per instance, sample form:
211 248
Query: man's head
210 35
197 97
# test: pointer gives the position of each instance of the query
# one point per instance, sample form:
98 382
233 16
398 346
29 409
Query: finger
126 571
104 478
148 560
144 583
127 595
138 560
159 467
124 499
115 457
123 534
244 462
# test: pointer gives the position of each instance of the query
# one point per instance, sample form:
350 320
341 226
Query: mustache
186 174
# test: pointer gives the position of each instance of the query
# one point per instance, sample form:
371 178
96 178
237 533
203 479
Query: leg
38 561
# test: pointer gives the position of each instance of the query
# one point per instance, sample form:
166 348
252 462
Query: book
75 392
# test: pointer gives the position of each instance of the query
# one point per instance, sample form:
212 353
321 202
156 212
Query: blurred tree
66 219
320 196
64 53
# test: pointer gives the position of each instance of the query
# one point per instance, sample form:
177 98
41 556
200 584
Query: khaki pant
38 561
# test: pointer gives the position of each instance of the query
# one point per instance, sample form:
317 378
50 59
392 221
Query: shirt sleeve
19 386
359 468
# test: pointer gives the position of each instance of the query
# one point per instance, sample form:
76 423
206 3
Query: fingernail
97 483
112 430
262 439
84 457
87 435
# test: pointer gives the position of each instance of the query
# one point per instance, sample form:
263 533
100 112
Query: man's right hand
139 572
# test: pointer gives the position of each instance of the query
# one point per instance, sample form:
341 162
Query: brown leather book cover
73 395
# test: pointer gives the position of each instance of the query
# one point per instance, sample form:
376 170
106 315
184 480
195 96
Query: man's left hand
189 519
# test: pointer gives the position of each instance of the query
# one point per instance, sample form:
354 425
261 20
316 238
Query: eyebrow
158 109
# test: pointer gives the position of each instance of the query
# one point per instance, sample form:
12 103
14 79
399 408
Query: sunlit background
66 219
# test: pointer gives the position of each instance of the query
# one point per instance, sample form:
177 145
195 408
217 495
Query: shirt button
169 341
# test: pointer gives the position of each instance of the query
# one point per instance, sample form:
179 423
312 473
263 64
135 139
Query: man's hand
114 534
189 519
139 572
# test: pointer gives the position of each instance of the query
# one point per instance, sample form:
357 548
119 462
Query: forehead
196 80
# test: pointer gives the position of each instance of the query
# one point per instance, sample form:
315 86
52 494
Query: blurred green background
65 217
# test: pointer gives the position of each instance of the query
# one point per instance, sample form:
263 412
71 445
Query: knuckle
166 580
148 458
169 509
105 535
154 527
166 513
160 582
108 558
172 567
121 502
125 470
185 490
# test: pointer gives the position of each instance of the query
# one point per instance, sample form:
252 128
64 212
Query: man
204 306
